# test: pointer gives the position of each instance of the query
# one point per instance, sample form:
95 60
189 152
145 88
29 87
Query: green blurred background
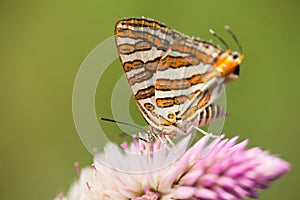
43 43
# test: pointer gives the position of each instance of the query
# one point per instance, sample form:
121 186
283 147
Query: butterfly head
229 63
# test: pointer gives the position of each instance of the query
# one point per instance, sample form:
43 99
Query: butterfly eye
235 56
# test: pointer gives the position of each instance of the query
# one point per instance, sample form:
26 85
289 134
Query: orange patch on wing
141 23
186 49
180 84
163 84
133 65
165 121
165 102
203 101
136 64
123 32
196 79
142 46
159 43
149 106
145 93
171 116
180 100
177 62
142 76
132 81
126 48
124 28
151 39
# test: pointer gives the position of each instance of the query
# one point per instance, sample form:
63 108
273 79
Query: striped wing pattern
180 82
165 72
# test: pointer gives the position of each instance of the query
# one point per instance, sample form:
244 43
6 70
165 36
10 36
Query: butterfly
173 78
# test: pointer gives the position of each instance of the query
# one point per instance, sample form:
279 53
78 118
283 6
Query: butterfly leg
202 131
162 141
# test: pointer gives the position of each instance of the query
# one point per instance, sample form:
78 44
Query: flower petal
183 192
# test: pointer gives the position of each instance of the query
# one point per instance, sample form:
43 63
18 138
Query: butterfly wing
141 43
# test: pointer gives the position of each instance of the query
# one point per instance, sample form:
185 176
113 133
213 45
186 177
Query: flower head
223 170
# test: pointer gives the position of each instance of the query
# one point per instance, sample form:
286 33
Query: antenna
227 28
221 39
125 123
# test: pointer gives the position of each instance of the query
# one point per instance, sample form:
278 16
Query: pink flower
223 171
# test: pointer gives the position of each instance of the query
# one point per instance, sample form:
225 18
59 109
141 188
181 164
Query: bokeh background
43 43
